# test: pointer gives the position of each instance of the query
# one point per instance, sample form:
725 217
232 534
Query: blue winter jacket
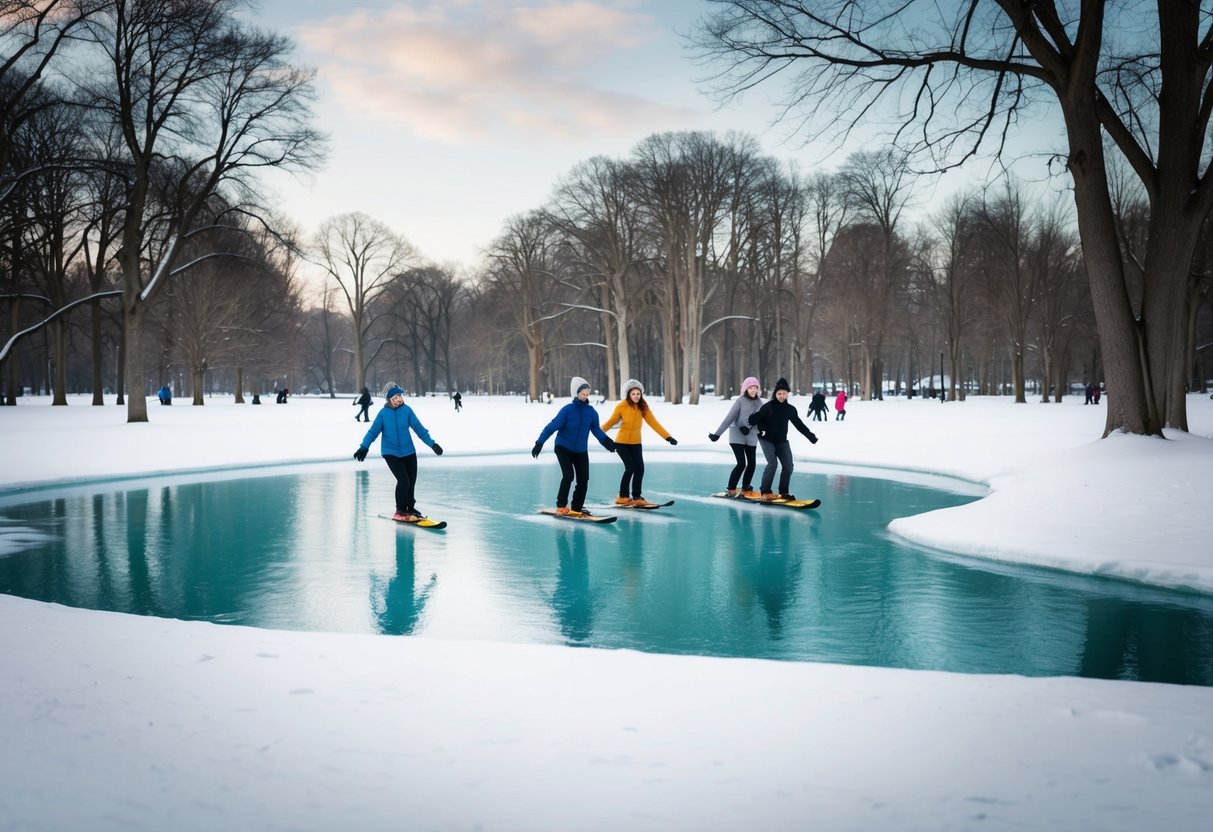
394 424
573 425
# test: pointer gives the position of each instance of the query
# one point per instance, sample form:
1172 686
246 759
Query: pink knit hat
750 382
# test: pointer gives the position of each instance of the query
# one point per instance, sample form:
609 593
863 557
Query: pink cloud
454 71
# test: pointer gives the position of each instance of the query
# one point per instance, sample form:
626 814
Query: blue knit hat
393 389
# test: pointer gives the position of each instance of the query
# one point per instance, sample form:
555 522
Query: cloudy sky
448 116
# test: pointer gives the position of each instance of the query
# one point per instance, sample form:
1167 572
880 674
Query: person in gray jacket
742 438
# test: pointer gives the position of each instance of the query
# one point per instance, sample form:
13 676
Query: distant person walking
818 407
165 395
364 401
396 422
840 406
772 421
629 414
742 438
573 425
1090 390
1096 393
458 401
282 394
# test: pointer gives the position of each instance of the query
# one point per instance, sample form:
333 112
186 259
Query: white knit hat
629 384
577 384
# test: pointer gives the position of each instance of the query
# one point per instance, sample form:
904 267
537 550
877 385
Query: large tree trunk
132 324
1169 253
59 383
199 380
95 340
14 356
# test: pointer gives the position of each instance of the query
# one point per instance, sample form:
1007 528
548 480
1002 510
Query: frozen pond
303 549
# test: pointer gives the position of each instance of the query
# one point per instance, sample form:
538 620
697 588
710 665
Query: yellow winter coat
629 415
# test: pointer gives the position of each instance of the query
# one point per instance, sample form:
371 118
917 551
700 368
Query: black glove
535 451
671 440
745 431
436 448
753 420
813 438
360 454
713 436
609 444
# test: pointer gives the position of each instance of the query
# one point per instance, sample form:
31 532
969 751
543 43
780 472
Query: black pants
404 469
746 461
778 455
633 469
573 464
364 414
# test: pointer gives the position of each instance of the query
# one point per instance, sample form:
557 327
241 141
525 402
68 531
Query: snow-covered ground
118 722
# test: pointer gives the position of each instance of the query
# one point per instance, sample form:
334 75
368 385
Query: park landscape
147 250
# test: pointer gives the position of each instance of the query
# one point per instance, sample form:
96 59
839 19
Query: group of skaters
819 408
751 423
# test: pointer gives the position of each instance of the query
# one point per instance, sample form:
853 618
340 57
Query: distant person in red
840 406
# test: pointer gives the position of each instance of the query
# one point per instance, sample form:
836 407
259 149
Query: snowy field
120 722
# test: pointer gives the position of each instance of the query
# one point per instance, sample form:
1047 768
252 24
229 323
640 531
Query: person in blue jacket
573 426
395 420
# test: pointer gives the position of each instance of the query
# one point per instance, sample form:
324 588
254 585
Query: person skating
772 421
818 406
364 401
742 438
573 425
397 422
630 413
458 401
840 406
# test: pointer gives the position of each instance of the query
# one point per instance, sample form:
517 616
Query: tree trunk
14 355
199 375
240 386
1169 253
59 383
120 370
669 337
95 340
132 345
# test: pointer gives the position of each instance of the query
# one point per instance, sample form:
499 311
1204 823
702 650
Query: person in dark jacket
396 421
772 421
573 425
818 406
364 401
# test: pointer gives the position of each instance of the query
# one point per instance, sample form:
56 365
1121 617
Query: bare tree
203 102
362 256
1011 283
968 73
521 270
879 187
32 33
685 186
596 207
945 267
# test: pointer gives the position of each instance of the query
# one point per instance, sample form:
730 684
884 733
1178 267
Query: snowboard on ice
579 518
421 523
795 504
645 508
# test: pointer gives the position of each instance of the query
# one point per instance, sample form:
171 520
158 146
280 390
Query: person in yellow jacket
629 414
